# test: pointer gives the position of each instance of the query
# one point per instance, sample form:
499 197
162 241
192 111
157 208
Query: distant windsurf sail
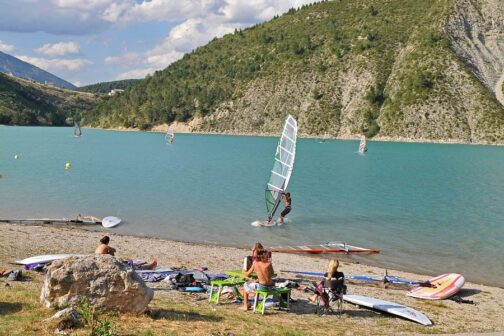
363 145
170 135
282 166
77 130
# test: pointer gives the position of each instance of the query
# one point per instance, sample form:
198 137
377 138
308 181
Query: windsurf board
441 287
263 223
388 307
44 259
110 221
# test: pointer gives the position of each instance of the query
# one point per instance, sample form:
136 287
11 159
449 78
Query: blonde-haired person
331 274
332 270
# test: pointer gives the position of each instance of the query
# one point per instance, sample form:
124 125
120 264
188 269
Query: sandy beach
21 241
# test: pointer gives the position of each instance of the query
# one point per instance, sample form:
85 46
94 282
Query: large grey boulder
104 280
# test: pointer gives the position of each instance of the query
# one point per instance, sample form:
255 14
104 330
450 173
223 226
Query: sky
91 41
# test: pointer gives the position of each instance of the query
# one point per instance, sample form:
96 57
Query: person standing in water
286 198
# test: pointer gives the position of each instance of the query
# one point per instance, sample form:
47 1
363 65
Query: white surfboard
263 223
44 259
110 221
388 307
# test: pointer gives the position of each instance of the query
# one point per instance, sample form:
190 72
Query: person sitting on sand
103 248
264 271
332 274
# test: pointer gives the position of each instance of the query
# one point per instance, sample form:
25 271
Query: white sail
77 131
170 135
363 145
282 166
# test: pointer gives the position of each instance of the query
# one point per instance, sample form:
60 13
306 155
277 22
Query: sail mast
282 166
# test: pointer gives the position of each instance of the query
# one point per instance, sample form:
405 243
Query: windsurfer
286 198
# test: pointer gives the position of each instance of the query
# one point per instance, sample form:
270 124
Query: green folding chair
278 293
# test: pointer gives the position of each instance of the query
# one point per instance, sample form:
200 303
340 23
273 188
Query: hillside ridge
14 66
401 69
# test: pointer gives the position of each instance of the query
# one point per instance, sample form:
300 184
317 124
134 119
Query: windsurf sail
282 166
77 130
363 145
331 247
170 135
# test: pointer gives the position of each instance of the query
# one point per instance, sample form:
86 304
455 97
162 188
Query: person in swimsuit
286 198
103 248
264 271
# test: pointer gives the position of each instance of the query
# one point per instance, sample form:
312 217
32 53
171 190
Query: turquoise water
430 208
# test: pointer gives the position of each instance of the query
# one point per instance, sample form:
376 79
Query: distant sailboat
77 131
170 136
363 145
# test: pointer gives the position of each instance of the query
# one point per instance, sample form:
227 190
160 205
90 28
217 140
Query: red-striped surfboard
443 287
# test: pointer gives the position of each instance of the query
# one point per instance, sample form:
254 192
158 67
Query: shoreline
19 241
372 262
162 129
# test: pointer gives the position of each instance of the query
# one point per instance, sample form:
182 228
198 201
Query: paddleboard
388 307
44 259
441 288
110 221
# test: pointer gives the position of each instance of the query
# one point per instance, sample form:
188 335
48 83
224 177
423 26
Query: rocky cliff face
453 106
476 29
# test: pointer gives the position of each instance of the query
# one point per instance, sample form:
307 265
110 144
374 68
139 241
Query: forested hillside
106 87
396 69
23 102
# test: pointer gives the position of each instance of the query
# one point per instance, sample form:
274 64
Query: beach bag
184 280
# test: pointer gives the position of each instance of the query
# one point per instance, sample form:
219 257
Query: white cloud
126 59
208 19
56 64
59 49
77 17
6 47
137 73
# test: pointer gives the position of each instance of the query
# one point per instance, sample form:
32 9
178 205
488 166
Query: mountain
12 65
106 87
420 70
23 102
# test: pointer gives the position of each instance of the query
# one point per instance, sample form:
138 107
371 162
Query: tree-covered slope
106 87
12 65
384 68
23 102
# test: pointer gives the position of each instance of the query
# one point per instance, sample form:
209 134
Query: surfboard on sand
110 221
388 307
44 259
442 287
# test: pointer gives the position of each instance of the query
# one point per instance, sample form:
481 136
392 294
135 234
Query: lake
430 208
